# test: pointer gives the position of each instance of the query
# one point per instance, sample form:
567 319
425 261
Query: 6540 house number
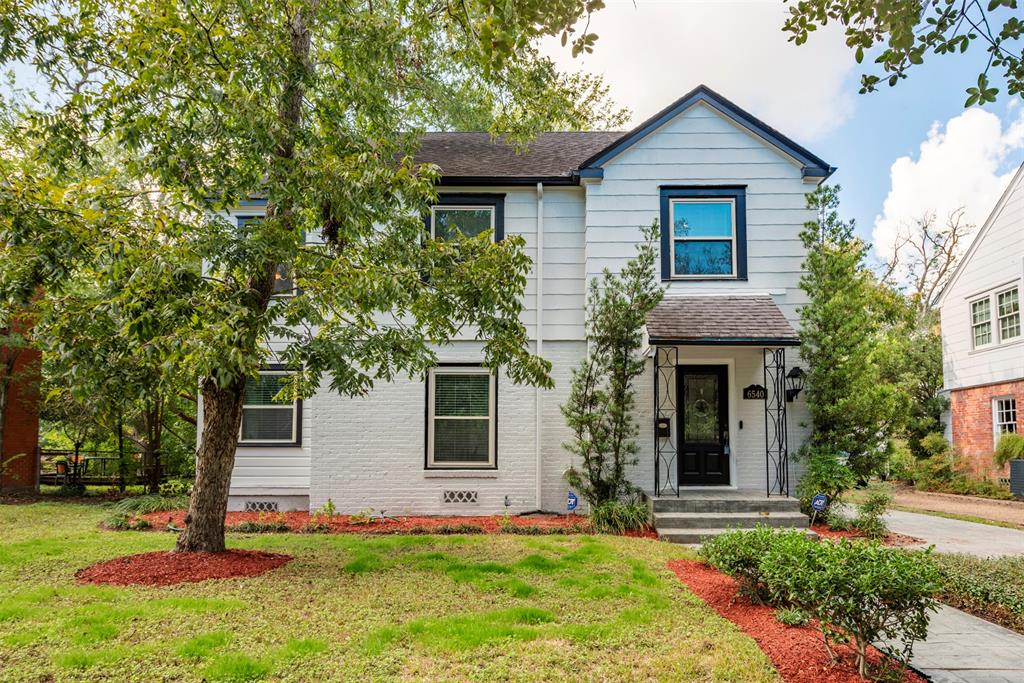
755 392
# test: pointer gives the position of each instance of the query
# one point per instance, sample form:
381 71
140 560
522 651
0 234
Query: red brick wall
21 424
971 411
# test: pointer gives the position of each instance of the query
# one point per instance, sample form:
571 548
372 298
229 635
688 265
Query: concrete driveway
955 536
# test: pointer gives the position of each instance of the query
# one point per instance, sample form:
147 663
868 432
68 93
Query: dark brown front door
703 425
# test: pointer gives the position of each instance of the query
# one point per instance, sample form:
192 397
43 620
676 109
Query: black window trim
297 442
737 193
492 199
427 467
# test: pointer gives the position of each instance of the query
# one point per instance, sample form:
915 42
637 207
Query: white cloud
652 52
965 163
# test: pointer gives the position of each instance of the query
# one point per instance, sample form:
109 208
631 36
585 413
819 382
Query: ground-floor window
460 417
264 420
1004 416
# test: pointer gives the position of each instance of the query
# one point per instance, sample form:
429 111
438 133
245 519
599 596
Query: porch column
776 444
666 482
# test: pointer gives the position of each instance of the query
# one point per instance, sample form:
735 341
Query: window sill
704 278
460 474
269 444
994 346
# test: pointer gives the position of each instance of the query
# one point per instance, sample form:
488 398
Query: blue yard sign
819 502
571 501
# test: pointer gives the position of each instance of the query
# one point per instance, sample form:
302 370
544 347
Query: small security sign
571 501
819 502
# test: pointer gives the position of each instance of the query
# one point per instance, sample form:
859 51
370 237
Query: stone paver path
955 536
964 649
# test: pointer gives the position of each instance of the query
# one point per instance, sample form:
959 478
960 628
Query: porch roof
752 320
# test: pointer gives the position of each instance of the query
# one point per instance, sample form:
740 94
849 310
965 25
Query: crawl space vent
260 506
460 496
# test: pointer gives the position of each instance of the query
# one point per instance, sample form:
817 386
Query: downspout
538 270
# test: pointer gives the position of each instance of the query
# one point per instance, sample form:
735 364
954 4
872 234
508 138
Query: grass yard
487 608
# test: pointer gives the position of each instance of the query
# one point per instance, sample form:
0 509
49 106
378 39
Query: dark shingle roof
475 155
720 319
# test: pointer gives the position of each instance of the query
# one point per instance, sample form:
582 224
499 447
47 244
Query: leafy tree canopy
905 31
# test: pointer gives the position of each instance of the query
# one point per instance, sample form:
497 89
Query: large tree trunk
222 417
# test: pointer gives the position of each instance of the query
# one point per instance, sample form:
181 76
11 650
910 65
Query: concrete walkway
964 649
955 536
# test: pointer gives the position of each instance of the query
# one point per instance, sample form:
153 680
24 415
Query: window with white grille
1004 416
981 322
460 418
264 420
1008 312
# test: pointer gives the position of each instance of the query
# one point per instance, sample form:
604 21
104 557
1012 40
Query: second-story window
703 237
467 214
703 234
284 280
1008 311
981 322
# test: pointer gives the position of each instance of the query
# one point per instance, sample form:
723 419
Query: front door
703 424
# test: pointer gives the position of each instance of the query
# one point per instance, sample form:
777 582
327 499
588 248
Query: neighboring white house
982 338
729 192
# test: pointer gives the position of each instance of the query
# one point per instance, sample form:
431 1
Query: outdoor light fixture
795 380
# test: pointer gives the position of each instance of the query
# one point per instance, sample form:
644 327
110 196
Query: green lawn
484 608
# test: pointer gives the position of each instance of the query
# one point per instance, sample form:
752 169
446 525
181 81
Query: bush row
859 592
992 588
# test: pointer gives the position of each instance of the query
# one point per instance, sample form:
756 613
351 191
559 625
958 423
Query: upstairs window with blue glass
703 233
703 237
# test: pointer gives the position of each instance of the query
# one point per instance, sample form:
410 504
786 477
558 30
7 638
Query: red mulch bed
167 568
798 652
343 524
890 538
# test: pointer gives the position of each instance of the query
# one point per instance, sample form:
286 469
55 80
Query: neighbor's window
1008 312
470 221
1005 416
981 322
460 417
263 419
703 237
284 281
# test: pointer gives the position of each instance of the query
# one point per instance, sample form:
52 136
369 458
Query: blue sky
652 51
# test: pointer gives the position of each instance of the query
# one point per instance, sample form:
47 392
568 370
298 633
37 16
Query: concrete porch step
728 520
725 504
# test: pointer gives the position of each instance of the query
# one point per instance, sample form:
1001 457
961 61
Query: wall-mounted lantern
795 382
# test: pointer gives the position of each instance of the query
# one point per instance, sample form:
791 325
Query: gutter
538 271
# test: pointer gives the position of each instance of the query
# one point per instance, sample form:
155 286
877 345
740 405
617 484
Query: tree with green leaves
599 410
313 106
853 411
904 32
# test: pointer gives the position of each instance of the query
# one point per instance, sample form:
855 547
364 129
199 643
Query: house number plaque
755 392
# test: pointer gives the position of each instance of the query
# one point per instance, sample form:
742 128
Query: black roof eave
493 181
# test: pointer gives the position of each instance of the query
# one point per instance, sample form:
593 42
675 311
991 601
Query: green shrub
869 519
176 487
837 521
825 474
1010 447
120 521
902 464
739 552
792 616
935 444
140 505
992 588
860 592
616 516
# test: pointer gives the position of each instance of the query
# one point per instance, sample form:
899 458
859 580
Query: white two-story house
719 408
982 338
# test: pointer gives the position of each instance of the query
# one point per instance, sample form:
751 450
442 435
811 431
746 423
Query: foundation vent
459 496
261 506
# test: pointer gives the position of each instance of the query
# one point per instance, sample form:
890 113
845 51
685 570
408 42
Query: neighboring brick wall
971 417
21 424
